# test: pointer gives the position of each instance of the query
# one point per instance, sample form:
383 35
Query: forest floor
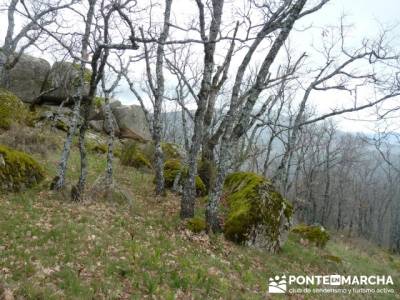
52 248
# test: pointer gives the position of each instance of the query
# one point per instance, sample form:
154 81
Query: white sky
365 15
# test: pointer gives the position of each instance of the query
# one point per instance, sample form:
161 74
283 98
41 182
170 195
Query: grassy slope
52 249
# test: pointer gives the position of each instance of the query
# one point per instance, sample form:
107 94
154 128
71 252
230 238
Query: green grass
51 248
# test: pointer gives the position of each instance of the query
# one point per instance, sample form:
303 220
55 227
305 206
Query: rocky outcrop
63 81
28 77
33 77
129 121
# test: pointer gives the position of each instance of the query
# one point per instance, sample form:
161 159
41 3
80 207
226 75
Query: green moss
172 167
59 124
207 172
253 203
18 170
99 148
31 118
196 224
201 189
132 156
12 109
117 151
313 233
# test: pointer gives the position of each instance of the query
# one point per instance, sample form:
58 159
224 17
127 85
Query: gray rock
102 126
132 122
96 125
64 78
28 76
98 114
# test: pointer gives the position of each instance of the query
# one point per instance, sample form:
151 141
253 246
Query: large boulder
256 214
131 122
97 117
28 76
98 111
63 82
18 170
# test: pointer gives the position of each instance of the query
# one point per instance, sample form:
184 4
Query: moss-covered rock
172 168
132 156
315 234
256 213
196 224
18 170
12 109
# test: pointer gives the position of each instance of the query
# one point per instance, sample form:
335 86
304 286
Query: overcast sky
365 15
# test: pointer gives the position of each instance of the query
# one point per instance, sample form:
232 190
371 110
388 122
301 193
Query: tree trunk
110 146
237 121
189 192
59 180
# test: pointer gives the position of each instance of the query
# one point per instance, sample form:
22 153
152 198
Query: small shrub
313 233
171 151
98 102
98 148
196 224
133 157
172 167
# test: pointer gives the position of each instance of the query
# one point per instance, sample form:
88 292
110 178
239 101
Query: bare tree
37 16
338 73
100 18
238 118
202 98
157 89
107 92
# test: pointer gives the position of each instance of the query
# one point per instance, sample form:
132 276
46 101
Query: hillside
136 246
